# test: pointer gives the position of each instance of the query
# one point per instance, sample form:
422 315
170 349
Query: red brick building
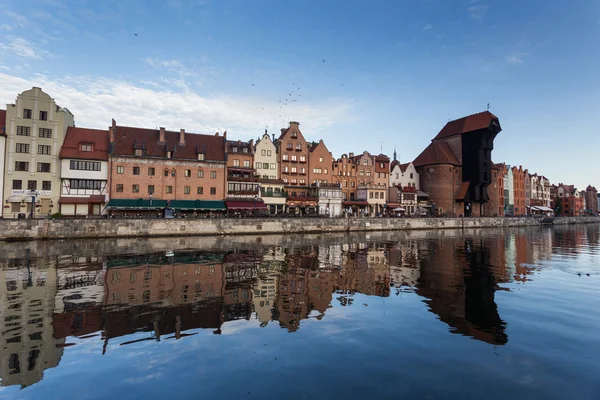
243 188
519 177
344 173
567 201
320 161
152 168
591 200
456 168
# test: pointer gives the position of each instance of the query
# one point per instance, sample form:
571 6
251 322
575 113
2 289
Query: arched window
173 172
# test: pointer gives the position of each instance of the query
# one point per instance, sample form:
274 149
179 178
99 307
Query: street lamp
32 194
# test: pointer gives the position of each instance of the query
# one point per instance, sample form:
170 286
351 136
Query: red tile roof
128 138
436 153
403 167
464 187
2 122
71 147
467 124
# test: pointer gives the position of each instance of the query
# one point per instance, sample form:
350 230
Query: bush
56 215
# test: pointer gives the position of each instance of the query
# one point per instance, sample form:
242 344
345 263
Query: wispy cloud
427 27
516 58
22 48
175 66
95 100
477 9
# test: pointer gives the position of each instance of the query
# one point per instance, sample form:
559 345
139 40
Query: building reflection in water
168 295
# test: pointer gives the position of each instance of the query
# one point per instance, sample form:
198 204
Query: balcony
298 148
242 179
242 192
302 173
283 193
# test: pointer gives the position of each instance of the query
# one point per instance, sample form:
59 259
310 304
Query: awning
399 209
96 199
463 191
246 205
354 203
543 208
136 204
208 205
421 193
392 205
15 198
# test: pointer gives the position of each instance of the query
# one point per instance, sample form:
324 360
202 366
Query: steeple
395 156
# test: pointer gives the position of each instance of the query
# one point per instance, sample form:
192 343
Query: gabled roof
471 123
241 145
71 147
2 122
315 145
294 126
128 138
436 153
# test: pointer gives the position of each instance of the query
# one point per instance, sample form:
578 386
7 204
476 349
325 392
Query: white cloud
170 65
17 20
477 11
20 47
95 101
516 58
427 27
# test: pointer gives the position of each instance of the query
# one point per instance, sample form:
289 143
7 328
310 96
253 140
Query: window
245 149
136 170
45 133
187 190
265 165
263 152
43 167
43 115
411 175
320 159
17 185
302 181
169 189
200 156
21 166
302 170
87 166
361 172
368 172
294 134
213 174
26 113
200 173
273 166
85 184
325 171
293 170
150 189
234 149
302 158
285 169
200 190
213 191
173 173
366 162
119 188
169 154
150 171
135 188
166 172
269 153
298 146
285 157
46 185
43 149
246 163
32 185
120 169
380 165
23 131
285 180
187 173
22 148
87 147
294 158
370 195
316 170
236 163
290 146
352 184
258 165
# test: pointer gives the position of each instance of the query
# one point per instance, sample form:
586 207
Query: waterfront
495 313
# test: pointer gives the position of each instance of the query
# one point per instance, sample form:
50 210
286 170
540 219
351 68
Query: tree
559 207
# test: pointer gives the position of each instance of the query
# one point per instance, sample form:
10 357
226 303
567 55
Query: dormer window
200 156
366 162
138 152
169 154
87 147
245 149
234 149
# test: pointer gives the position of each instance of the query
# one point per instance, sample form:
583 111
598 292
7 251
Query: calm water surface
495 314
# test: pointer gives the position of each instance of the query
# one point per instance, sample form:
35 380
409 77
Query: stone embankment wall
107 228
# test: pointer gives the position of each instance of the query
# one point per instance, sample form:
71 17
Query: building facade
404 175
243 188
150 169
344 173
293 158
591 200
266 164
35 130
320 161
329 197
567 201
2 153
273 194
83 172
456 168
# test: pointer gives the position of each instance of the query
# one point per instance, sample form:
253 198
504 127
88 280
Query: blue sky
355 73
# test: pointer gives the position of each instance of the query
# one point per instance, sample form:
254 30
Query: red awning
393 205
246 205
354 203
95 199
463 191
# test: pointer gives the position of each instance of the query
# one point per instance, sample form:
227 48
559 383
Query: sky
361 75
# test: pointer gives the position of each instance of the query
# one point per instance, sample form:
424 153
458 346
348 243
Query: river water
494 314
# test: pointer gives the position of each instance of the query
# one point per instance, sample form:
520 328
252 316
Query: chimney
283 130
112 131
265 131
182 137
350 155
161 136
225 135
273 137
294 123
251 144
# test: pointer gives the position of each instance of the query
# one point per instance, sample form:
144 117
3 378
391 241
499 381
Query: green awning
136 204
198 205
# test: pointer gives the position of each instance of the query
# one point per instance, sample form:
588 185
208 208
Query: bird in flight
135 34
